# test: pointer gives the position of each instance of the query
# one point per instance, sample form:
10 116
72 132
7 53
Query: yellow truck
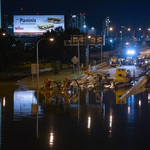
114 61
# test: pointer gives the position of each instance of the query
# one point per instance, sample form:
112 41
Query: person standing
133 75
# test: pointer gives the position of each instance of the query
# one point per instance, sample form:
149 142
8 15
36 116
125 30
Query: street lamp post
102 44
87 50
116 38
145 30
121 34
37 59
135 30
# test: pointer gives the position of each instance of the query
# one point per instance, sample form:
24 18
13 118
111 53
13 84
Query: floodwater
84 119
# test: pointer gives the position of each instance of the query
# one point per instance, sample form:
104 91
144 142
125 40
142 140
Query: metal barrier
99 66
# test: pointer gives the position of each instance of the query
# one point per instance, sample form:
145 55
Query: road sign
74 59
85 40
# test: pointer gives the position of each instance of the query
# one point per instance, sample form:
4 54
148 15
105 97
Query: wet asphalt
78 119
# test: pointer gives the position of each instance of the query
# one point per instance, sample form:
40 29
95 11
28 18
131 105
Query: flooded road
79 119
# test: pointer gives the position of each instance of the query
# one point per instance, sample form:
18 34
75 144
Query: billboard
37 24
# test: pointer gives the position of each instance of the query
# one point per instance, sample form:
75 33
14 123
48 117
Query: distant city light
73 16
111 29
140 29
84 26
89 36
92 28
129 29
111 41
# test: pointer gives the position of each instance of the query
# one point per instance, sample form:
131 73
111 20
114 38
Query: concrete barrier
136 88
98 66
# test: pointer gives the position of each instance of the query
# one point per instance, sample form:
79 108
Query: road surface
112 70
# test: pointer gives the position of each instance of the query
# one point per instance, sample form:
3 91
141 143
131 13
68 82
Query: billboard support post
37 61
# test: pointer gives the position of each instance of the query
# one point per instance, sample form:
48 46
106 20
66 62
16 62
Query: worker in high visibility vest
133 75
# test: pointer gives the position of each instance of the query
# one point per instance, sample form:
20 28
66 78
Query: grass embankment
23 68
31 82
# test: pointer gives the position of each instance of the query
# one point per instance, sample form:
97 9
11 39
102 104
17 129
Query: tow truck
140 63
114 61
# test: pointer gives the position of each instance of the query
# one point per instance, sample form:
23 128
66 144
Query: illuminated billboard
37 24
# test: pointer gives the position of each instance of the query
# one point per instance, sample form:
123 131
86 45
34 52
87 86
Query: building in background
92 31
106 26
77 21
82 22
4 22
73 21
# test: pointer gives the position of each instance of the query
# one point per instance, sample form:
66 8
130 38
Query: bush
56 66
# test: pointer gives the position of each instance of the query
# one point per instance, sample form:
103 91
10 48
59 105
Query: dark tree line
13 52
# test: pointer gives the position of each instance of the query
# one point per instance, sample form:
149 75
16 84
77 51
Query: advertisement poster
37 24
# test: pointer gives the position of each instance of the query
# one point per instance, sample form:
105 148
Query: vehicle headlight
129 52
132 52
146 61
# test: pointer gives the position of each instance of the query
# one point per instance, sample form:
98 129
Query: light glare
51 39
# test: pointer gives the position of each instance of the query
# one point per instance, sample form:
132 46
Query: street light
87 50
116 38
37 58
135 30
145 30
121 34
79 54
110 29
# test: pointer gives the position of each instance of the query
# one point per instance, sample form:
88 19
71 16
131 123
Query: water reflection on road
73 119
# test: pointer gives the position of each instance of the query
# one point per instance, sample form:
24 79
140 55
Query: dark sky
130 13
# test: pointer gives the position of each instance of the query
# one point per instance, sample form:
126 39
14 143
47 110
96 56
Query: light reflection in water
110 124
128 109
4 101
25 103
139 103
89 122
148 97
110 121
51 140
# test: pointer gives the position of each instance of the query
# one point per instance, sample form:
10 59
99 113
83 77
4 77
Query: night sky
130 13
